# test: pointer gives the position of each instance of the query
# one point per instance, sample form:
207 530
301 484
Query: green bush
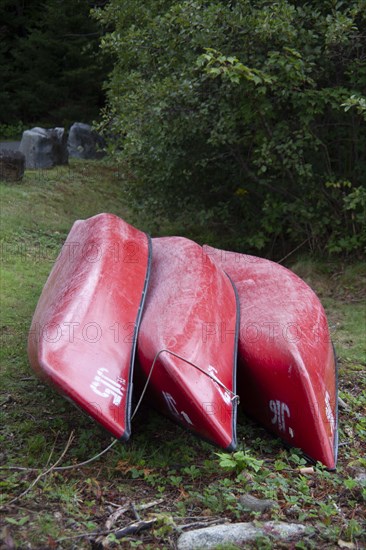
244 118
11 131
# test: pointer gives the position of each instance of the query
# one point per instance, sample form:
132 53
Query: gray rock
359 474
44 148
84 142
293 511
255 504
361 478
238 533
12 165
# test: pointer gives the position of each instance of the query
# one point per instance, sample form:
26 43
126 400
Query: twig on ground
123 509
116 515
135 528
63 468
44 473
80 464
114 504
52 451
135 512
149 504
202 523
138 506
131 529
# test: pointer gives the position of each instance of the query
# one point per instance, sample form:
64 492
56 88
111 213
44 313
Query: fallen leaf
182 493
123 466
51 543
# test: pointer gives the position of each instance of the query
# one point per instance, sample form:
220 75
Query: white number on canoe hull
104 386
172 406
281 413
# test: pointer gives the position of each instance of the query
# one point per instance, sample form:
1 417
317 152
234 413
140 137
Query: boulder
239 534
84 142
12 165
44 148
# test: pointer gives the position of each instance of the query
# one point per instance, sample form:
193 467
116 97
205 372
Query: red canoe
84 330
190 328
287 370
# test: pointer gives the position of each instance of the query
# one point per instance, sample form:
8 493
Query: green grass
342 290
161 461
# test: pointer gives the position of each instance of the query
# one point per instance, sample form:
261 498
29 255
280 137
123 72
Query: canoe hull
194 381
84 330
287 376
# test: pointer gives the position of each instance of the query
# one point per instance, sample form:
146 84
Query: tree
236 112
50 57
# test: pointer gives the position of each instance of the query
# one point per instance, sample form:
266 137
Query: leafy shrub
11 131
243 117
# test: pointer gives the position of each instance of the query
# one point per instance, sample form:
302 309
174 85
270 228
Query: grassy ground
184 478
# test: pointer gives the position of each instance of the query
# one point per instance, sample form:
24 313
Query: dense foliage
51 72
246 117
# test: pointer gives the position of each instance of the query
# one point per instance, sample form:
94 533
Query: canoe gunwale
233 444
234 399
128 416
336 433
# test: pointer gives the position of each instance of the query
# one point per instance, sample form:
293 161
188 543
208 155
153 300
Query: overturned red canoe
189 333
287 373
84 330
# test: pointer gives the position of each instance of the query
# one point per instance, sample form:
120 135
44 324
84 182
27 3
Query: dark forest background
52 69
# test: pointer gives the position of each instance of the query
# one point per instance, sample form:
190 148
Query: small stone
361 478
359 474
238 533
255 504
12 165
